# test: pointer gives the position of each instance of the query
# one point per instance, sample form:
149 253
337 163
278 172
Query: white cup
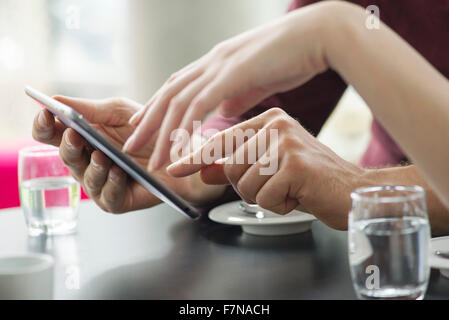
26 277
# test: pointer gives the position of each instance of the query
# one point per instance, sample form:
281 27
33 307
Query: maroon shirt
423 24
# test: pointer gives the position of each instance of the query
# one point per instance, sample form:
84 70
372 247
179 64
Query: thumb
113 112
214 174
88 108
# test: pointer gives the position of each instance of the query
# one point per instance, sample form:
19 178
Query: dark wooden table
160 254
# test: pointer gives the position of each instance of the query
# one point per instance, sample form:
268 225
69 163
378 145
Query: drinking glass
49 195
388 240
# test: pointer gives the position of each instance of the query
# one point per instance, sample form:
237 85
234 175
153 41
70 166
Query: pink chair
9 188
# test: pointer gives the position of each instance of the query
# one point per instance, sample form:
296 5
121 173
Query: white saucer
441 243
271 224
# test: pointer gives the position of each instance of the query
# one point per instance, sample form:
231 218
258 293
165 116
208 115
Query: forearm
407 95
409 175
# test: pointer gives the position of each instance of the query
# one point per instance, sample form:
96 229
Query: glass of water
389 238
49 195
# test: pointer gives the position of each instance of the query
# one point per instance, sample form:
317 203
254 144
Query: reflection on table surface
160 254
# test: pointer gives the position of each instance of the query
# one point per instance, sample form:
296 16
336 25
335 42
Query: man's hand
308 172
233 77
103 181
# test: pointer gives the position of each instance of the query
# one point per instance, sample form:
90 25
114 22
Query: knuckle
68 161
280 122
111 100
240 187
282 210
74 176
110 202
232 71
117 180
290 143
230 173
165 96
276 208
175 103
243 189
107 207
296 164
36 134
36 125
172 77
64 160
91 184
103 207
219 48
261 200
69 158
198 104
42 134
275 112
114 207
121 101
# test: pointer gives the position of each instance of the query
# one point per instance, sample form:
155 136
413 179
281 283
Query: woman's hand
292 169
104 182
233 77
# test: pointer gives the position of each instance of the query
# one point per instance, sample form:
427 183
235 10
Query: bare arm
405 92
408 96
308 173
409 175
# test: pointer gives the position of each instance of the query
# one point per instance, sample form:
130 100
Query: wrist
377 177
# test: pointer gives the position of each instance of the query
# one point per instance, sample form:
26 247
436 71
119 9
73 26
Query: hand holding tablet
111 128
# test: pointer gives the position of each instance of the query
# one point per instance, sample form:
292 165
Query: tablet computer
74 120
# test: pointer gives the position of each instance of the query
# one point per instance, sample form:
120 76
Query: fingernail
169 167
138 114
97 166
174 165
41 119
128 144
133 119
114 176
68 142
222 160
153 164
183 160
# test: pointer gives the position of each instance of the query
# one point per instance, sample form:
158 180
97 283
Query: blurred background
106 48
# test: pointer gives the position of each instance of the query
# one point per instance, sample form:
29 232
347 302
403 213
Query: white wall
166 35
160 36
157 37
23 59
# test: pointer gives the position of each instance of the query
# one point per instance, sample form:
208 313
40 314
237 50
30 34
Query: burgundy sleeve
311 104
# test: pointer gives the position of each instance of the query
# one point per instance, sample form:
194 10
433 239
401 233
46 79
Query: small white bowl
271 224
26 276
441 263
